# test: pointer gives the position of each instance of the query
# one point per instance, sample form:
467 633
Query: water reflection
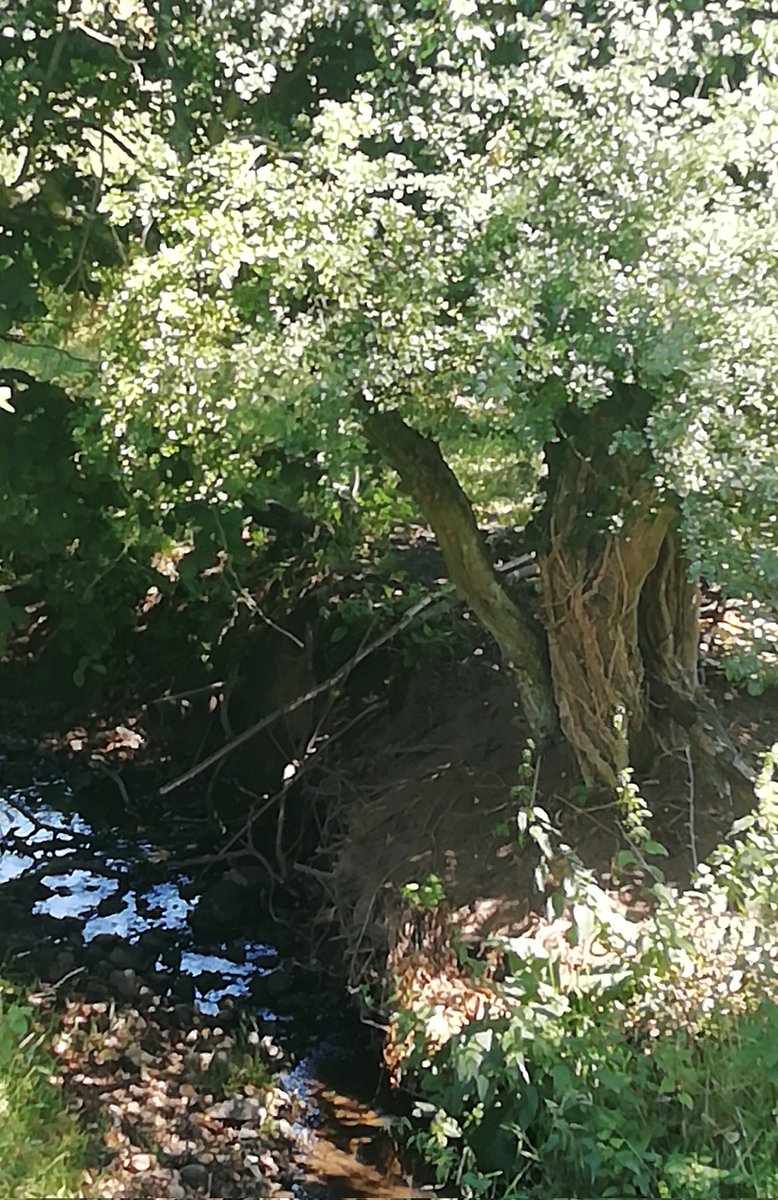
58 865
76 893
34 836
13 865
129 923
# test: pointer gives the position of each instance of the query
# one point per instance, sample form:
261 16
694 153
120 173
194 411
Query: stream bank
174 938
210 1054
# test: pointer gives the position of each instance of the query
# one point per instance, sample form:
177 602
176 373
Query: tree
553 223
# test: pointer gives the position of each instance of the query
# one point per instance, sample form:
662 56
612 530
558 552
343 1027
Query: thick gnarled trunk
591 607
620 614
618 610
669 621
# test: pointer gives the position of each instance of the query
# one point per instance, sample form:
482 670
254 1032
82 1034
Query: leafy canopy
476 213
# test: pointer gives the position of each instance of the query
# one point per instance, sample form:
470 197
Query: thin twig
312 759
104 769
114 137
322 876
307 755
208 687
39 115
23 344
245 595
97 191
70 975
94 33
334 679
692 813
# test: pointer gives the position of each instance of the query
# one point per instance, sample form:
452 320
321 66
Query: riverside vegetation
282 284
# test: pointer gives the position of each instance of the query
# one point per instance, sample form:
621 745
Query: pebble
95 991
141 1162
285 1129
183 989
59 965
101 946
125 956
239 1110
194 1175
124 983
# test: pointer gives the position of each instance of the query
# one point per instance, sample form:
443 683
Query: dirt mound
431 792
434 799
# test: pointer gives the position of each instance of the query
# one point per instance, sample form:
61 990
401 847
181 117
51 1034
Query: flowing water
79 899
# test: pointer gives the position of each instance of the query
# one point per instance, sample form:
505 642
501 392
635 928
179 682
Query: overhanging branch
426 475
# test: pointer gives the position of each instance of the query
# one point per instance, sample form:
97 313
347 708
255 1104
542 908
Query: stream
115 921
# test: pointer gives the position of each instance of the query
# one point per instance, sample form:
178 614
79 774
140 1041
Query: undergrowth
624 1058
43 1153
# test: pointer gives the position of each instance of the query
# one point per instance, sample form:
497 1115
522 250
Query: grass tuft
43 1152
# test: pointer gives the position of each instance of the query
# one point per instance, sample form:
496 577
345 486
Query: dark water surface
68 883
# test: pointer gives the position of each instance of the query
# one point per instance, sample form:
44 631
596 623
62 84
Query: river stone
125 956
146 997
209 981
194 1175
141 1162
239 1110
156 941
101 946
174 1189
161 981
285 1129
183 989
95 991
171 957
124 984
228 907
277 983
56 964
183 1015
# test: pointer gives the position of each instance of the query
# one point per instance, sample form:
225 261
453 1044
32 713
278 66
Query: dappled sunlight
388 570
743 638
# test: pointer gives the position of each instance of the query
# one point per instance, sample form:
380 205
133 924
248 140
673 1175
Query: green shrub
651 1070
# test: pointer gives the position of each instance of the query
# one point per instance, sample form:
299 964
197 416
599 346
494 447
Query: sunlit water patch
61 869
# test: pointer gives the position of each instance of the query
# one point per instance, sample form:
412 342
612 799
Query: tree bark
669 639
592 580
424 472
669 620
620 612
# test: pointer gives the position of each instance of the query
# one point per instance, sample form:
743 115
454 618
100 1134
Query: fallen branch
338 677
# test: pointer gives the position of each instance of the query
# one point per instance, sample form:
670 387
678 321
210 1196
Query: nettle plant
365 231
645 1070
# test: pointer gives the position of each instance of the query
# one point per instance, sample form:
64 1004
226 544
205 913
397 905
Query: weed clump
617 1057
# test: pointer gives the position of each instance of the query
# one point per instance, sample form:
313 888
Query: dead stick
293 705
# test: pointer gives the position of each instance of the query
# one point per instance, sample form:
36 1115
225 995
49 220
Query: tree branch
410 616
426 475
